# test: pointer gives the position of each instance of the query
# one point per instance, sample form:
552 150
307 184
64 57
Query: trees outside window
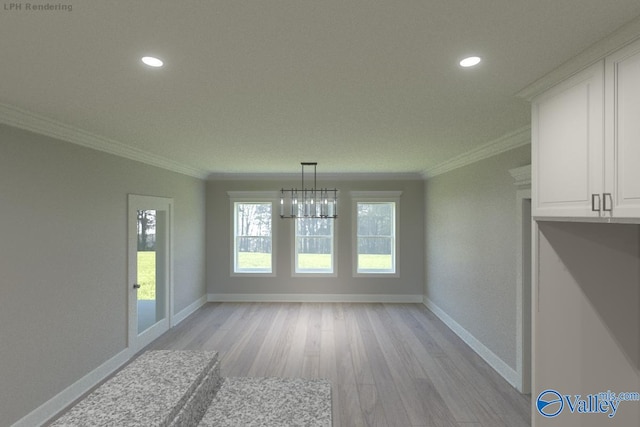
314 248
146 230
253 237
376 229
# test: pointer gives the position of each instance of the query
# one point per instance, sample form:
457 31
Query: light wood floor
389 364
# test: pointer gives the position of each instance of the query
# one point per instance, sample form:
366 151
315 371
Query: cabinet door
567 146
623 132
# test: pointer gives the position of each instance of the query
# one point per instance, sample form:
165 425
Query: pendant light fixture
309 202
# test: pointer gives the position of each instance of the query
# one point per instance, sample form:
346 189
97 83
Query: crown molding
323 177
32 122
507 142
624 35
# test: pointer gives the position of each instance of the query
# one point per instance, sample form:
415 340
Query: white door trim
522 178
135 341
523 332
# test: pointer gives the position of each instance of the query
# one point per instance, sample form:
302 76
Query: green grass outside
251 260
147 275
311 261
314 261
374 262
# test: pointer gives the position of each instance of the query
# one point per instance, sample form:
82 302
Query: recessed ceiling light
470 61
152 61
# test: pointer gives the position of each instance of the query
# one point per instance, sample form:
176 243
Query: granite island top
153 390
270 402
184 389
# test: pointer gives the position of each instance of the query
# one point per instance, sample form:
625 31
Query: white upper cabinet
586 142
622 133
568 147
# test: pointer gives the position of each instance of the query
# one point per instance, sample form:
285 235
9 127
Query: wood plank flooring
389 364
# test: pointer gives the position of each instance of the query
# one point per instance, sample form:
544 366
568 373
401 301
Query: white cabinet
568 147
622 132
586 142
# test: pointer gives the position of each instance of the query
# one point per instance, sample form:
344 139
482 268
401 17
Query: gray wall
63 268
471 248
411 252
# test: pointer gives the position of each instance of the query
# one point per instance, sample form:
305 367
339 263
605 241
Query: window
314 249
376 228
252 235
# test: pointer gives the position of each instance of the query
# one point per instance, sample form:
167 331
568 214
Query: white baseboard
67 396
188 310
506 371
315 298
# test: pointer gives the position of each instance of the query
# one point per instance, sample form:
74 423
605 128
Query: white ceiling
257 86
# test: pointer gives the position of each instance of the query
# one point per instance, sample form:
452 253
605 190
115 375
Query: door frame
135 341
524 280
523 294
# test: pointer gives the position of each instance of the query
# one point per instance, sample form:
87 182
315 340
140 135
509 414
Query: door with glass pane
149 285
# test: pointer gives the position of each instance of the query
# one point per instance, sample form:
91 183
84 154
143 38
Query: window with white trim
314 246
376 232
252 235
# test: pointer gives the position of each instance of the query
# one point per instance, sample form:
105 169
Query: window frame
313 273
358 197
252 197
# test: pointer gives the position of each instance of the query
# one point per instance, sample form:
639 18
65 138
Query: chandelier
309 202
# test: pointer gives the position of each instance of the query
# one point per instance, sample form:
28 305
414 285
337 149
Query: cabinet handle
606 196
593 203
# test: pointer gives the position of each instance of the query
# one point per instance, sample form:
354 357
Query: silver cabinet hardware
606 196
593 203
